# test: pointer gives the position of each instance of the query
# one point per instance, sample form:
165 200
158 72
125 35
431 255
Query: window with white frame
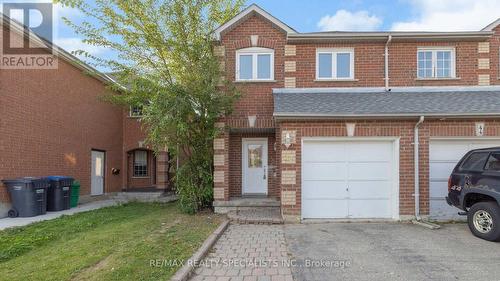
436 63
255 64
135 111
140 163
334 64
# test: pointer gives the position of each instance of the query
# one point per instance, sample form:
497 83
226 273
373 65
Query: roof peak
253 8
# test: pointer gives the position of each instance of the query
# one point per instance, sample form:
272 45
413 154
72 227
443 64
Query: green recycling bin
75 194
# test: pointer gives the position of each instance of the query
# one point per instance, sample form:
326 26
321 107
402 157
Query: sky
339 15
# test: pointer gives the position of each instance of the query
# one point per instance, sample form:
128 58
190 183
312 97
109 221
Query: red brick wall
368 65
256 97
403 64
133 134
235 169
138 182
402 129
51 119
369 72
495 57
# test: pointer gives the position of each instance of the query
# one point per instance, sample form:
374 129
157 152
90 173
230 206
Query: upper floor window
135 111
436 63
334 64
255 64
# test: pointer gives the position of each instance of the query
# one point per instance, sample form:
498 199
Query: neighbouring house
55 122
347 125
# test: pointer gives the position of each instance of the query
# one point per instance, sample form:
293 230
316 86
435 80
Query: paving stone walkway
247 252
269 215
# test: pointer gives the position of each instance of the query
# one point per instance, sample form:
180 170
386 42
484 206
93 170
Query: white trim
395 180
460 138
254 52
434 50
244 160
252 9
334 52
491 26
433 89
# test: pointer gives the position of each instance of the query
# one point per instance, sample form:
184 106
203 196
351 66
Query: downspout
417 180
386 65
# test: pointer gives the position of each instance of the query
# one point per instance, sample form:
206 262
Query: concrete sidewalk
12 222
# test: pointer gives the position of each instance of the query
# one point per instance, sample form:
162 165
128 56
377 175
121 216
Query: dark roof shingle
454 103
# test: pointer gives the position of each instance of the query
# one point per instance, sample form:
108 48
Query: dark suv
474 187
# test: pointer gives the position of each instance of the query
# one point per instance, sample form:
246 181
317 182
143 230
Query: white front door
349 179
254 164
97 174
444 155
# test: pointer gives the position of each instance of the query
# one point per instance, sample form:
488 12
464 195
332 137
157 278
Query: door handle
264 173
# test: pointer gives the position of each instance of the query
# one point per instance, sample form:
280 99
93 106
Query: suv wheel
484 220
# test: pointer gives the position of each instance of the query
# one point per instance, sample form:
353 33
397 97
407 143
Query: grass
114 243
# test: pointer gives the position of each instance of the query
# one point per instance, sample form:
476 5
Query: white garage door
443 156
348 179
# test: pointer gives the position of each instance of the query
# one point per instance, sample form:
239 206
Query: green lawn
114 243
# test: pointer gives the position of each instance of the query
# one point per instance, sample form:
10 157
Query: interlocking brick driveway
247 252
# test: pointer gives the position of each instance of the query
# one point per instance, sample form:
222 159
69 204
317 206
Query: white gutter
417 174
386 58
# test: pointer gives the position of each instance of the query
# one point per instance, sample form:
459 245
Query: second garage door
349 179
444 154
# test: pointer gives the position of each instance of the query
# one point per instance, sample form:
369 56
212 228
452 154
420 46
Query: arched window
255 64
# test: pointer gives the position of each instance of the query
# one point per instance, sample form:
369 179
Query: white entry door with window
97 174
349 179
444 155
254 166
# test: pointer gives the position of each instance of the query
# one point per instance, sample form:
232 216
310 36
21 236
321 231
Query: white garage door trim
395 172
438 177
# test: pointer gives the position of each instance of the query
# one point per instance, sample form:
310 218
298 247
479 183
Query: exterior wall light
288 140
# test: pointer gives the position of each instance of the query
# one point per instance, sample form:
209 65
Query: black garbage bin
59 193
28 196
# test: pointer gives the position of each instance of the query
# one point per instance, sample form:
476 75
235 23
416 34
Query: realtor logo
27 36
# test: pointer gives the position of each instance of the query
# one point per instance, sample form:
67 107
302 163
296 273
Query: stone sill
336 80
437 79
255 81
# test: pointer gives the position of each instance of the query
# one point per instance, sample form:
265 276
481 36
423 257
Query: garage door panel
443 157
438 189
324 209
324 171
369 151
324 152
372 189
441 170
369 171
443 151
370 208
324 190
330 167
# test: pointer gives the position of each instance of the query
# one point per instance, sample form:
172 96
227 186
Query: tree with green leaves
165 63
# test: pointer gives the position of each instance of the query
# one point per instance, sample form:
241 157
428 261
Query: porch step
157 196
261 215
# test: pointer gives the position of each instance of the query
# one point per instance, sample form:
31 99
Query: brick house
54 122
351 124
